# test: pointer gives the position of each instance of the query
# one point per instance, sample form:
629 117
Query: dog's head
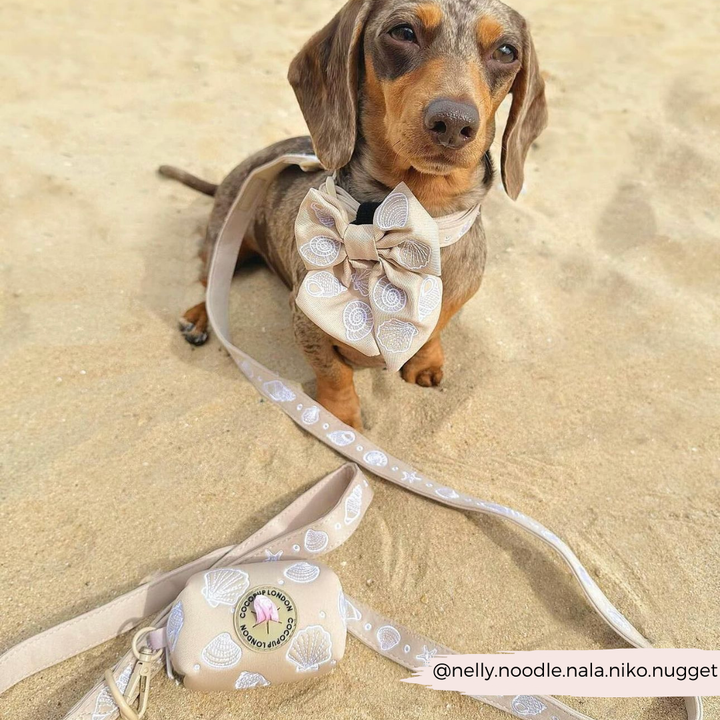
421 80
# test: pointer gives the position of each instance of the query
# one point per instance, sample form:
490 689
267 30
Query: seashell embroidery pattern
359 280
311 415
323 284
413 254
388 297
353 505
396 336
430 296
310 648
221 652
302 572
388 637
393 213
321 251
224 586
447 493
323 215
176 618
105 704
376 458
278 391
358 320
348 612
341 438
527 705
316 540
249 680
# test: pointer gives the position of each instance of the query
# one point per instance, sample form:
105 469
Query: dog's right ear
324 76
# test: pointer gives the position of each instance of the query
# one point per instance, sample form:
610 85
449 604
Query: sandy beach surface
581 382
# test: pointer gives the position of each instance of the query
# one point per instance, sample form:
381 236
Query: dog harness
374 286
317 522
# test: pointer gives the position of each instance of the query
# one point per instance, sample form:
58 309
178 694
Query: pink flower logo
265 611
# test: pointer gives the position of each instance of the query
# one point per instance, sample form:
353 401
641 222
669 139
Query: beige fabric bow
374 287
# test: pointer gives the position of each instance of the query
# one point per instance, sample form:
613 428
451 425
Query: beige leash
97 626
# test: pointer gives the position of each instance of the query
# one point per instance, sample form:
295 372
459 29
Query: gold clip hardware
139 684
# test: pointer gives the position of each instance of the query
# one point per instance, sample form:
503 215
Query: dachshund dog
392 91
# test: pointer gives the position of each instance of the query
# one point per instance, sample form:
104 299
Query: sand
580 383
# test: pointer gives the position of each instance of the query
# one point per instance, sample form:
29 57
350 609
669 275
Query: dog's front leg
335 387
426 366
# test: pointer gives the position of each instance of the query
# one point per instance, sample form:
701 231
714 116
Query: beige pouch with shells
256 625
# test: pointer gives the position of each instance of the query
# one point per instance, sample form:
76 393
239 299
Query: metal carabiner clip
138 686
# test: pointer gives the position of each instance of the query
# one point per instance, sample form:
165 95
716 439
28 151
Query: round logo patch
265 618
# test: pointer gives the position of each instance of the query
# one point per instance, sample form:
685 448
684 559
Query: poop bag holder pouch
255 625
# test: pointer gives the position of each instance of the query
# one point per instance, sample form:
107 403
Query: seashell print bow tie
374 287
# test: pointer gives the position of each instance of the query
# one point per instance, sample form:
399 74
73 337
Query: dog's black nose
452 124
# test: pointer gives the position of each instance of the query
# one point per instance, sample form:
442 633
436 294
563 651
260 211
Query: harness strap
321 503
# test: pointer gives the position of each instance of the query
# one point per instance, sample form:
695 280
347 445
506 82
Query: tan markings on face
393 127
429 14
489 31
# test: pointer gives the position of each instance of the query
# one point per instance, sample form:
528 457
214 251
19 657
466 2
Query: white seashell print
323 284
311 415
359 280
246 367
376 458
105 704
353 505
393 213
321 251
348 612
388 297
388 637
413 254
323 215
221 652
316 540
447 493
396 336
224 586
527 705
341 438
279 391
249 680
430 296
176 618
358 320
302 572
310 648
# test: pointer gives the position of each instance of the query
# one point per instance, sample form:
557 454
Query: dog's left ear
527 119
324 76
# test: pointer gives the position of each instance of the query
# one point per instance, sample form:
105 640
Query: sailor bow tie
377 287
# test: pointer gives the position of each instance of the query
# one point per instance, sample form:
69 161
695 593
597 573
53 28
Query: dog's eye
505 54
403 33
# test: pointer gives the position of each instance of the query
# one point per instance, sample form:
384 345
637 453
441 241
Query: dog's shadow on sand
260 314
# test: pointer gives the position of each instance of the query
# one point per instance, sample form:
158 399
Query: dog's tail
186 178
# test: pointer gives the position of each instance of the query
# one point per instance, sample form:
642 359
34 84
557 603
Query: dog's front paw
193 325
421 374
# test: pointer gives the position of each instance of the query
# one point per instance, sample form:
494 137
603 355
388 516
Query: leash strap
357 448
319 507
